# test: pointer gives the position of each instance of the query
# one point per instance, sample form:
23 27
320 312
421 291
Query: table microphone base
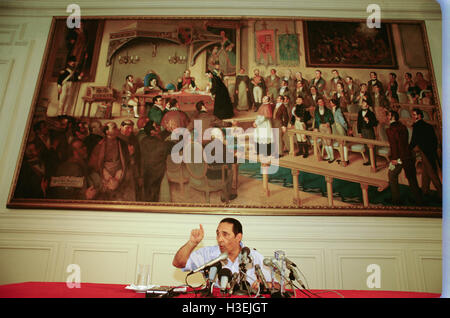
207 291
240 292
279 294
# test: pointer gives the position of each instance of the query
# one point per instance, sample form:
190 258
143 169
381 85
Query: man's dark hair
237 226
127 122
418 111
335 102
173 102
156 98
395 115
199 105
105 128
320 98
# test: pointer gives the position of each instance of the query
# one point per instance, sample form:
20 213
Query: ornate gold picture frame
94 140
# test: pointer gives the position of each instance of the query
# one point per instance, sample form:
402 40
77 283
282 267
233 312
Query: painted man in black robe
223 107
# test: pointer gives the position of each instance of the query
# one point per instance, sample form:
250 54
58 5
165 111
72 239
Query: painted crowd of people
322 106
79 159
121 162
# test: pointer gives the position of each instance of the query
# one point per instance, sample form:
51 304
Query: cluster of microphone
281 265
236 283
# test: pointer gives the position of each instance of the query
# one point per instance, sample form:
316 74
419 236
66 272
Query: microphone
213 270
280 263
281 255
245 252
296 275
221 257
234 281
276 268
244 257
290 265
280 268
260 276
224 277
272 263
289 262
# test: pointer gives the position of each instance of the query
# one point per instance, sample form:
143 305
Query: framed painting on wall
222 54
148 141
348 44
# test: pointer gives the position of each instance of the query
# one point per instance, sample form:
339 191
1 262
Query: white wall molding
103 262
415 9
150 224
28 259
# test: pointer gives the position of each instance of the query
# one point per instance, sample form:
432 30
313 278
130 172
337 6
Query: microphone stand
294 279
233 281
280 293
207 290
241 288
263 288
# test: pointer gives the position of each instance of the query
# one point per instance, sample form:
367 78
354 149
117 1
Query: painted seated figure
151 82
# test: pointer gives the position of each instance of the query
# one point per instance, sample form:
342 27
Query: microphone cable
293 283
243 281
195 290
328 291
306 281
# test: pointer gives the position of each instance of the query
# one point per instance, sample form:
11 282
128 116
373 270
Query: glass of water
142 276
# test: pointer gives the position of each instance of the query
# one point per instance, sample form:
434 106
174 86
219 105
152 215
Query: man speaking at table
229 240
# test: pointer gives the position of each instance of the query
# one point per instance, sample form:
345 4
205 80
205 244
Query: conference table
186 100
93 290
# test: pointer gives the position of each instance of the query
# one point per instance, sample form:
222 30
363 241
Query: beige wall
332 252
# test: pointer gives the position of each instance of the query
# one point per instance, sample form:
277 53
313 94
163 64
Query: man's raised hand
197 235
